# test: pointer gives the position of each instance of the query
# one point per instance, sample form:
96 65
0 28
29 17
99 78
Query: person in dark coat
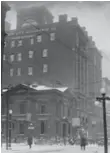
83 143
30 142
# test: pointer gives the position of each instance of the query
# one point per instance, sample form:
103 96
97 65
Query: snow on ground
21 147
18 148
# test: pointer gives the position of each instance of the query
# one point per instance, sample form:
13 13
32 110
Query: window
69 128
11 72
43 109
32 41
45 68
65 110
42 127
19 72
69 112
21 128
3 126
57 110
57 127
30 70
3 109
52 36
19 57
61 111
77 39
22 108
39 38
11 58
12 44
20 43
86 120
30 54
45 51
4 57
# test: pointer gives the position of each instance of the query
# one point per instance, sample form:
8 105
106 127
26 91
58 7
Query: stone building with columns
49 110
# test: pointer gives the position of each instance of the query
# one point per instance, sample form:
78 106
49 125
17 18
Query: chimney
74 20
90 38
63 18
85 32
84 28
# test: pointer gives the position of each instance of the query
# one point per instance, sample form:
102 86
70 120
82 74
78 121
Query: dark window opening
42 127
86 120
69 112
69 128
21 128
43 109
2 127
57 127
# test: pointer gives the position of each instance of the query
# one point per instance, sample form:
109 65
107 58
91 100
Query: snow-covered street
54 148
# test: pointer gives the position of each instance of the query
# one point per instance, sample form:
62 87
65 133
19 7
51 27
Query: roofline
36 91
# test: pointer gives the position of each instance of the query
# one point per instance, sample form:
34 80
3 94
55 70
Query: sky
95 16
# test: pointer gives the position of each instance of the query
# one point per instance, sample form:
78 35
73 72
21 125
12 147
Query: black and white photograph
55 76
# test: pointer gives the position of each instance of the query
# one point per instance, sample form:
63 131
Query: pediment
19 89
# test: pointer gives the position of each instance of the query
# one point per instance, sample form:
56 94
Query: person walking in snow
30 142
83 143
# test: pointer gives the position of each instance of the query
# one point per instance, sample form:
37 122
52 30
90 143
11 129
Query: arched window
42 127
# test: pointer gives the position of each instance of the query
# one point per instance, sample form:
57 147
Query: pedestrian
30 141
64 140
15 140
83 143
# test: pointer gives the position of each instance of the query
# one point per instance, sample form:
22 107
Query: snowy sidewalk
20 148
38 148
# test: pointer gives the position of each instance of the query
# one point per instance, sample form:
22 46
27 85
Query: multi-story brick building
56 54
48 52
49 110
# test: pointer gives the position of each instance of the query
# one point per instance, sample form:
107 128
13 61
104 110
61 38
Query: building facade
56 54
49 111
4 9
41 48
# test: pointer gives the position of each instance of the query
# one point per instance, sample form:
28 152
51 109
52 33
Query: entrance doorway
64 129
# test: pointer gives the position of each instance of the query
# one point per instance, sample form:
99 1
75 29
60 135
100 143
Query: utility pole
103 100
10 127
7 118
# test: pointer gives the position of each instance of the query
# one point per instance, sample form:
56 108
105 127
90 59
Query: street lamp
103 100
10 126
